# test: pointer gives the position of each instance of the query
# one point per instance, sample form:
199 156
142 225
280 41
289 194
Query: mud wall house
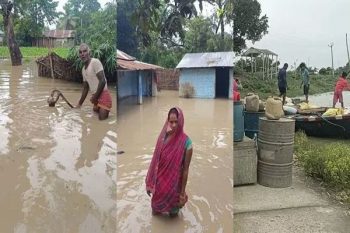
210 74
56 38
135 78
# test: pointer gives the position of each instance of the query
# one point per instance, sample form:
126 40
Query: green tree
95 34
224 9
247 23
82 11
323 71
126 31
31 18
200 36
165 17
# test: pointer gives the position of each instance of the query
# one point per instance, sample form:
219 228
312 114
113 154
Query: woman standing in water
167 174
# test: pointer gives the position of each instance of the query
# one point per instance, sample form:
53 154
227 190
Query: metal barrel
238 121
275 152
251 123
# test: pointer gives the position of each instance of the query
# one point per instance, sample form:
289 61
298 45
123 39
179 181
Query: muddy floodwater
326 99
208 122
57 165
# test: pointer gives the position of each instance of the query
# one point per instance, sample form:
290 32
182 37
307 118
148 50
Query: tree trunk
16 56
221 23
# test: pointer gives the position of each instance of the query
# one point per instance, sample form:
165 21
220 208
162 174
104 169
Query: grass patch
328 162
34 52
268 87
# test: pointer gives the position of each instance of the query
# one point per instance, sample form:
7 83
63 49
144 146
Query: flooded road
57 165
209 124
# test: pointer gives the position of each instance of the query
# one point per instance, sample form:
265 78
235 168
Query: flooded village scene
174 116
291 116
188 66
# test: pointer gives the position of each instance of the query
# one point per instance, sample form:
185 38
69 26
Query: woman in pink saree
168 172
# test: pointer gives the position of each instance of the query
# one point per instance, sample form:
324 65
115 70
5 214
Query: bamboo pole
51 65
263 63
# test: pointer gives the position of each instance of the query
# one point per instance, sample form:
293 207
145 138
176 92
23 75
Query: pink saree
164 177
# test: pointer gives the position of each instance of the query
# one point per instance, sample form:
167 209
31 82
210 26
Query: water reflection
57 165
209 124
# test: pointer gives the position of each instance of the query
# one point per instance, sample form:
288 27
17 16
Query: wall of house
202 79
146 83
127 83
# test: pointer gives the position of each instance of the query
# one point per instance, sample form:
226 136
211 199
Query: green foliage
323 71
104 52
30 19
158 54
33 52
167 18
79 13
248 24
200 36
264 88
329 162
126 31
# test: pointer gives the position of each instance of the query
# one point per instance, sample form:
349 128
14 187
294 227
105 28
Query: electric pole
331 45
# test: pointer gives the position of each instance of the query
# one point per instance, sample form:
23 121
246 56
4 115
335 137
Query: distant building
56 38
210 74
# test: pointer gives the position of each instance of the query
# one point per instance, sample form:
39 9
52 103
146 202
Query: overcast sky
301 30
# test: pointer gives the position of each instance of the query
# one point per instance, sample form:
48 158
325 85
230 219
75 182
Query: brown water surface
57 165
209 124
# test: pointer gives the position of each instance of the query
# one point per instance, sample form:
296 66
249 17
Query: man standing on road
95 80
282 82
305 81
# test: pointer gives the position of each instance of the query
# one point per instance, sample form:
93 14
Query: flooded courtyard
57 165
208 122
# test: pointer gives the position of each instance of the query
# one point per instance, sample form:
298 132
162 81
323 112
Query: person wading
168 172
95 80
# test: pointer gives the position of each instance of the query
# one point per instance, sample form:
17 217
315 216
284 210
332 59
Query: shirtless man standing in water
95 80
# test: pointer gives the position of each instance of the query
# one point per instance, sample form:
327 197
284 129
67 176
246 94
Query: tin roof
256 52
200 60
127 62
59 34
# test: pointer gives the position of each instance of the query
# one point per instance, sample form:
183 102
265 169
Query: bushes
329 162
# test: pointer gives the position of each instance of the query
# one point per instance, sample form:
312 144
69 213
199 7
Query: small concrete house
210 74
135 78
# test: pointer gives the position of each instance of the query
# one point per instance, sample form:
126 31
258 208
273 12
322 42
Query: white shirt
89 74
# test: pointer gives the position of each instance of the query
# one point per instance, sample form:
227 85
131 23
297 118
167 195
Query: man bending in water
95 80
